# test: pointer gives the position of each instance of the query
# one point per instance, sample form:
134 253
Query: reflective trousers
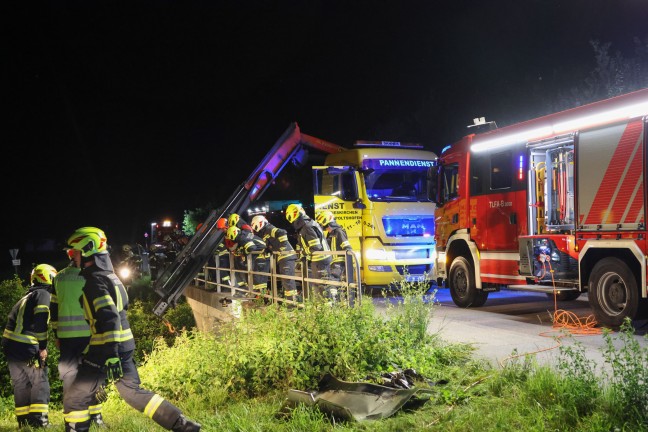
286 267
261 264
320 270
88 386
31 389
71 350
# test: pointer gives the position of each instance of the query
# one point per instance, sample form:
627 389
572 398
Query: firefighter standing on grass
110 353
311 239
276 240
24 343
71 329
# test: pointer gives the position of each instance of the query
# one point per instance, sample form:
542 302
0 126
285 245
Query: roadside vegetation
237 378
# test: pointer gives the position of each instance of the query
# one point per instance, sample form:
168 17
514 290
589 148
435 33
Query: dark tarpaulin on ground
358 401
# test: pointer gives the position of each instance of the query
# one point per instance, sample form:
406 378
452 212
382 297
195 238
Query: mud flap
357 401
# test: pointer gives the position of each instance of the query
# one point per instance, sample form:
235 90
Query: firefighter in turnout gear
109 356
336 236
276 240
311 239
24 343
338 240
240 258
230 248
253 247
70 328
240 223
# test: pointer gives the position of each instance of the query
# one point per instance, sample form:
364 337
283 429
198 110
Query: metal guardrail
348 288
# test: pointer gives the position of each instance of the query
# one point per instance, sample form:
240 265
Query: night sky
120 113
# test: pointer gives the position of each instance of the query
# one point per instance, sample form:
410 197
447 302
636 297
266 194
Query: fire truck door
496 213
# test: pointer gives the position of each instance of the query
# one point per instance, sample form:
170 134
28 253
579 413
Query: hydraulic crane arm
175 278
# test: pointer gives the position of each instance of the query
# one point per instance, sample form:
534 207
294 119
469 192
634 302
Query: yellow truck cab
378 191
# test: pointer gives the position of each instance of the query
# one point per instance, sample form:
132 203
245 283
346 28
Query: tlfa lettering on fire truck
502 203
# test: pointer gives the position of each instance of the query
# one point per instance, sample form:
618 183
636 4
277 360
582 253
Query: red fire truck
556 204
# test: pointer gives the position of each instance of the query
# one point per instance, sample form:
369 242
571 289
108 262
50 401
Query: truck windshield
397 183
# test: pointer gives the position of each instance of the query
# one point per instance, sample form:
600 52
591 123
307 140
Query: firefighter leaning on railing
240 257
311 240
338 240
276 240
24 343
222 262
253 247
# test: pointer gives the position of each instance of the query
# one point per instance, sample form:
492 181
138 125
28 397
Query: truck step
539 288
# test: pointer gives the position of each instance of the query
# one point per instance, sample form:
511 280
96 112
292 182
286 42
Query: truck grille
412 253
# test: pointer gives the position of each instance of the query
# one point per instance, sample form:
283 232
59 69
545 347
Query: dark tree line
613 75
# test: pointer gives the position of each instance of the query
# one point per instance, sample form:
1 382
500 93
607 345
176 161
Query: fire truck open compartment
551 185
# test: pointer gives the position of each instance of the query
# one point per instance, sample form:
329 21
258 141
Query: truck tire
463 289
613 292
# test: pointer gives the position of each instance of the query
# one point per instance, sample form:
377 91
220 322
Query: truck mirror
433 175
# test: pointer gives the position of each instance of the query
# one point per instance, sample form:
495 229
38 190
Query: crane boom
289 147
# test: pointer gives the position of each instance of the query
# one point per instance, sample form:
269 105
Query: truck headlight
380 255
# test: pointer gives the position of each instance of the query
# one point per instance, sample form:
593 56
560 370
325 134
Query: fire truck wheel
613 292
463 289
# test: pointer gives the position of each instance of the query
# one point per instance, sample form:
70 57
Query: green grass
237 380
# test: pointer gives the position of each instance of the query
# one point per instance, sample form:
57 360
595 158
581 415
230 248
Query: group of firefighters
260 239
85 304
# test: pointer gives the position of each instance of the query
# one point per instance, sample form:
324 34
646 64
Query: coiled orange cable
570 321
565 321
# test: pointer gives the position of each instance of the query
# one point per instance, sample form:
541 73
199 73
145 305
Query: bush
628 376
147 327
11 291
276 349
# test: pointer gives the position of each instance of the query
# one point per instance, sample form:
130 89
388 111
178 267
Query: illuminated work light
539 130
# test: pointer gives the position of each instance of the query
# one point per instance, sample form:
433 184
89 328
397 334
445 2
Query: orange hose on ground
568 320
562 320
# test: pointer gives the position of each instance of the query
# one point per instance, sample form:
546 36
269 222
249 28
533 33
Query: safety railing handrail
350 285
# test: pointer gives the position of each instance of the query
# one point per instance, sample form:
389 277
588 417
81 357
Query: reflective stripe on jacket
276 240
105 302
338 241
249 243
68 320
26 329
311 239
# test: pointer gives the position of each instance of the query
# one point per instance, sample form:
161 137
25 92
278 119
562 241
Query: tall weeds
628 377
276 348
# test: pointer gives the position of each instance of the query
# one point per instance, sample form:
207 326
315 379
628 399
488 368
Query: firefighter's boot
77 427
40 420
97 419
23 421
183 424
